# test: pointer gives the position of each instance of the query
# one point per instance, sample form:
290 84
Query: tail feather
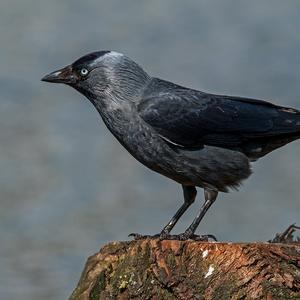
288 121
260 148
286 130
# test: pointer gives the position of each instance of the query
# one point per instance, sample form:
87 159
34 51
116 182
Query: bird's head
103 76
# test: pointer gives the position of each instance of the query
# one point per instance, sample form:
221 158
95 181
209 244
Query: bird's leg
210 197
189 194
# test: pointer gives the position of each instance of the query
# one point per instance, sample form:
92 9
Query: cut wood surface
153 269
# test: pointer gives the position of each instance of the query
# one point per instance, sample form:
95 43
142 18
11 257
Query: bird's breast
140 140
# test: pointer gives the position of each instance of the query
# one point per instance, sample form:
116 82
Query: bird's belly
216 167
209 167
212 167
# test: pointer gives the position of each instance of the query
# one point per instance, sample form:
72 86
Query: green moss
225 290
165 294
170 259
131 271
98 286
281 293
228 288
290 267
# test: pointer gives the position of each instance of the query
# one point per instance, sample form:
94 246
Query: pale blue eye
84 71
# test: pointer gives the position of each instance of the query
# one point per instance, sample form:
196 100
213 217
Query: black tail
287 122
286 130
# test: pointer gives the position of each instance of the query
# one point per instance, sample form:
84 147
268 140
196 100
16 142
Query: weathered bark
153 269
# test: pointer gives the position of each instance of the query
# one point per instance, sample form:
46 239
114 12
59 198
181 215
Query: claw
185 237
204 237
164 236
181 237
138 236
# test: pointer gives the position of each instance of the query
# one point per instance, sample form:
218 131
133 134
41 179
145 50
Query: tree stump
153 269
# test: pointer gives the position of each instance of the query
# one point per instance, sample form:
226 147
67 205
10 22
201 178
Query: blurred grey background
66 185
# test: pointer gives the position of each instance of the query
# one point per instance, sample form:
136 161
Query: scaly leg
189 194
210 197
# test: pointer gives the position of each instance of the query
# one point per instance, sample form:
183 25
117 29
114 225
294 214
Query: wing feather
192 118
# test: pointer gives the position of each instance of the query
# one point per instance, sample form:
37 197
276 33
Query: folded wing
191 119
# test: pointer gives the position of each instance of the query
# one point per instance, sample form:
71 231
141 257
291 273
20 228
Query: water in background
67 186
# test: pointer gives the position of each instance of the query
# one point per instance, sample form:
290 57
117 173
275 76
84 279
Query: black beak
64 75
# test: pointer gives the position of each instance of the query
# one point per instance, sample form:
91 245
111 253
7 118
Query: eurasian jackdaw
195 138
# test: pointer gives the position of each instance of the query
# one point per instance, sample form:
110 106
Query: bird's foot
184 237
187 235
138 236
181 237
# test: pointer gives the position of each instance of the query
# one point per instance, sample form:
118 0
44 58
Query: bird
197 139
